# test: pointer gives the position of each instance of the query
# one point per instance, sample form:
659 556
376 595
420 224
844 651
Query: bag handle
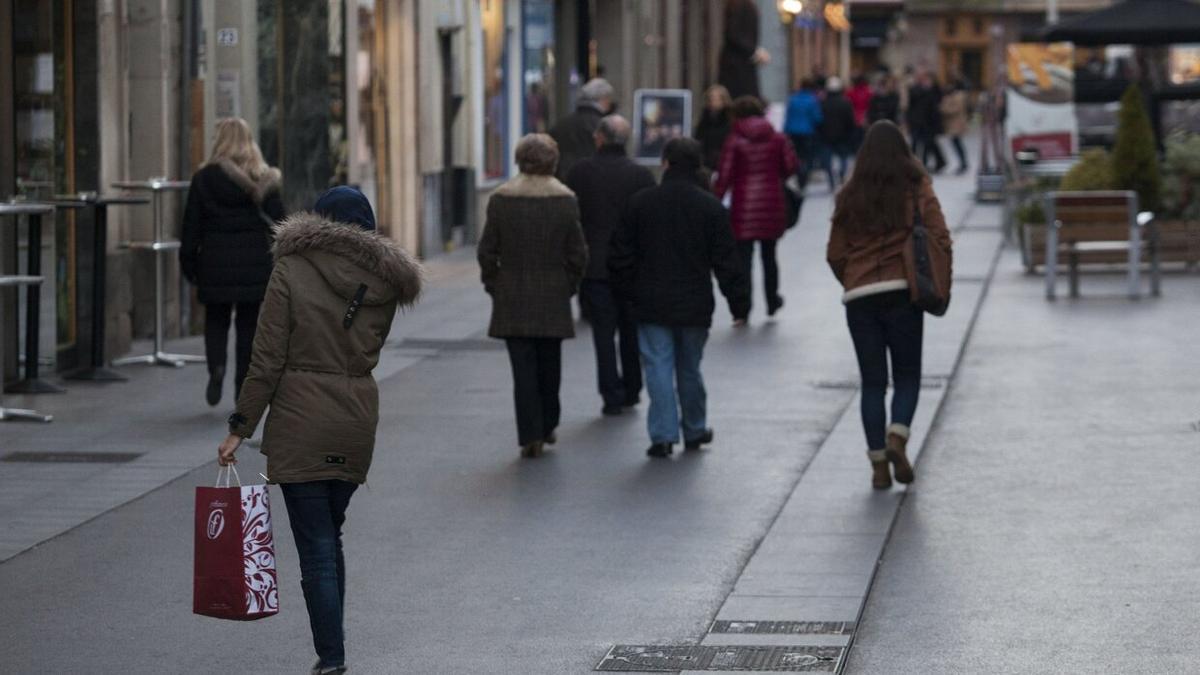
228 471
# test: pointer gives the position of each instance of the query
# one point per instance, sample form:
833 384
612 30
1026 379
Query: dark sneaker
660 450
551 438
612 410
632 401
774 305
212 393
695 443
318 669
531 450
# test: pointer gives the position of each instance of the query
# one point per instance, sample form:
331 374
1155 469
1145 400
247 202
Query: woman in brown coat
532 257
872 222
329 306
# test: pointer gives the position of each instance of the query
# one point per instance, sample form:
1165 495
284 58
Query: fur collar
258 190
307 231
528 185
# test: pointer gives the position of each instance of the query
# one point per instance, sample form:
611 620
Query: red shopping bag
235 552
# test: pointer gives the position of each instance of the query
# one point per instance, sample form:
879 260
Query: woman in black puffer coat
233 202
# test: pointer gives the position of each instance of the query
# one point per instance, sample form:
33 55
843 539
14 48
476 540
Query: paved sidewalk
1053 527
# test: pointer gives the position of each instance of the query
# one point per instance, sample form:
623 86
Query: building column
773 77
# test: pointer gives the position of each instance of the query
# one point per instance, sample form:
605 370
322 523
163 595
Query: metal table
96 371
159 357
7 414
33 212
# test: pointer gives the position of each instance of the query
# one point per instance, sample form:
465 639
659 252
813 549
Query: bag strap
918 219
228 471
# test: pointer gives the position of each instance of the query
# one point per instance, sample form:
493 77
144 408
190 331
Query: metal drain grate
784 627
467 345
71 457
658 658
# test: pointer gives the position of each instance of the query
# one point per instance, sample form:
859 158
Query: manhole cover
784 627
71 457
660 658
467 345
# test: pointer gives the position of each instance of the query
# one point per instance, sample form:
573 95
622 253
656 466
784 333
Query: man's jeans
671 357
316 511
882 325
611 317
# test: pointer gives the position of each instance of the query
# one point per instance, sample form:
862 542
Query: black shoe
612 410
213 393
660 450
774 305
632 401
961 170
551 438
695 443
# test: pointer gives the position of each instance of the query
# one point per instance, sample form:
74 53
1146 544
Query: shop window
1184 64
495 103
537 43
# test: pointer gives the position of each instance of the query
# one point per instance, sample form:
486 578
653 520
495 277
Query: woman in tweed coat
532 256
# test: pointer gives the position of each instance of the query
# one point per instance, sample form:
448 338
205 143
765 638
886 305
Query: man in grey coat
574 132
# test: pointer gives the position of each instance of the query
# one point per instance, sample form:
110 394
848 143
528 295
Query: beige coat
327 312
954 113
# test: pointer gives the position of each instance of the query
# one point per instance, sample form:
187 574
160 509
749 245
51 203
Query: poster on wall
658 116
1040 99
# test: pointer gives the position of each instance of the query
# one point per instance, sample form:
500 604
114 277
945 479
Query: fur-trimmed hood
532 185
257 189
347 256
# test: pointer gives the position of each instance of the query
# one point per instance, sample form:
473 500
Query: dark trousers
612 318
217 318
805 145
926 146
882 325
537 375
317 511
766 249
959 150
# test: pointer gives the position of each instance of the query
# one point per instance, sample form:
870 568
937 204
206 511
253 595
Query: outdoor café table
160 245
95 370
33 212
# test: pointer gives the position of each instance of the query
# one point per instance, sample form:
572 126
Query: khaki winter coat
327 312
532 257
872 262
954 113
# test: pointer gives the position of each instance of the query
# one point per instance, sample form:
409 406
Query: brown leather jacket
327 312
871 262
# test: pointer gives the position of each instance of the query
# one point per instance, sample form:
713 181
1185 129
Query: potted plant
1179 209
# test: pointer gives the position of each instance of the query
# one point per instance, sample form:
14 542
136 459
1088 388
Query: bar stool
160 245
33 212
96 371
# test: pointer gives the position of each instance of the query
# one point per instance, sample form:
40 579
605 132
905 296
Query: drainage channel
667 659
70 457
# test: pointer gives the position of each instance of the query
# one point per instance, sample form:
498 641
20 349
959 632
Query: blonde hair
234 141
722 93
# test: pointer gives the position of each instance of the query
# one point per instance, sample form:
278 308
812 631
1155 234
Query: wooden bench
1104 226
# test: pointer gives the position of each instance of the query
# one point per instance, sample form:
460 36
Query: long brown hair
875 199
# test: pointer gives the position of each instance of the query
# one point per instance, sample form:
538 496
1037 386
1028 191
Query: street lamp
788 10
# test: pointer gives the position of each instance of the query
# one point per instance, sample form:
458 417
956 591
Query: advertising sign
658 116
1040 99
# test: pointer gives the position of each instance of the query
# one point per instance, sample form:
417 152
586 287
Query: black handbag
793 201
927 267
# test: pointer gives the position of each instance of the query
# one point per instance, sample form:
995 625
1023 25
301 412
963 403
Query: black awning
1136 22
869 32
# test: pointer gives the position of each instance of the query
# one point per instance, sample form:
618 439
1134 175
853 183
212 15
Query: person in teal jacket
801 124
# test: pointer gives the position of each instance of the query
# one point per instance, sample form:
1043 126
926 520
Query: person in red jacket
755 162
860 95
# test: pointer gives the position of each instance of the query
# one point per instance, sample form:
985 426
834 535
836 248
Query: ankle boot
897 447
212 393
532 450
881 477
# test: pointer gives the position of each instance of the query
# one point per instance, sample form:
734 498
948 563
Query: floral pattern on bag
258 552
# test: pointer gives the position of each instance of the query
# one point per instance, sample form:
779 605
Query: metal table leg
32 383
96 372
13 414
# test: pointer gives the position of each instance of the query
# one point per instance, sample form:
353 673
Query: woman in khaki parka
328 309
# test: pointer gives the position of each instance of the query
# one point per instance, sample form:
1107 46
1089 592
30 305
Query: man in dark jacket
574 133
837 130
925 121
603 185
672 239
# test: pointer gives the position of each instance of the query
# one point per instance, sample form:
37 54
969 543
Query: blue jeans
316 511
671 358
883 324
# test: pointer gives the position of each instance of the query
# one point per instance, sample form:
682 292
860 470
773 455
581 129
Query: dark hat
346 205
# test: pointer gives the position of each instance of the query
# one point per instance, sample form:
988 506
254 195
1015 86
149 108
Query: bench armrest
1144 218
